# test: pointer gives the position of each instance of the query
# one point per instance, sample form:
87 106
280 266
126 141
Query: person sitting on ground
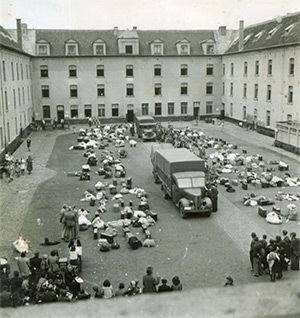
176 284
98 292
133 289
164 287
108 291
229 281
83 294
121 290
149 281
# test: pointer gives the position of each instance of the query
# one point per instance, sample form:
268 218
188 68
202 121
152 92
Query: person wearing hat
295 251
149 281
35 263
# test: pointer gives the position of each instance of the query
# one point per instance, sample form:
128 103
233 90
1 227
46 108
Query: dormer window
288 29
42 48
210 49
99 48
258 35
128 49
71 48
157 47
246 39
272 32
183 47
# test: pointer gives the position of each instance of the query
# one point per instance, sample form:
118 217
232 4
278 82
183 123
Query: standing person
256 253
29 164
149 281
132 131
253 235
28 142
23 166
295 251
273 260
90 122
213 195
16 289
69 222
23 265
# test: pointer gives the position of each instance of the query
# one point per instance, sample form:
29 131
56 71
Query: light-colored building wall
15 95
115 81
280 80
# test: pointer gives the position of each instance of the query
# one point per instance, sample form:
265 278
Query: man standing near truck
212 193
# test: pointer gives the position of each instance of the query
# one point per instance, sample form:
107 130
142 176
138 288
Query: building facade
249 75
16 107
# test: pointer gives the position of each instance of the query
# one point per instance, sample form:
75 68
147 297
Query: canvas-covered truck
182 177
145 127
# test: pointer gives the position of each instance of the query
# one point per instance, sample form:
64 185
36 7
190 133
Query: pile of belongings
273 218
252 200
21 245
287 196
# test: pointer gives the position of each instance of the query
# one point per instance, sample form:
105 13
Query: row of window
255 114
16 71
99 48
102 109
45 91
290 95
22 123
18 97
291 68
157 71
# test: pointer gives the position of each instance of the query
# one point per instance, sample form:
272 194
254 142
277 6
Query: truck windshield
184 183
148 126
198 182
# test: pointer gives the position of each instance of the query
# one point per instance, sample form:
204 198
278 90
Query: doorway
130 113
60 112
222 112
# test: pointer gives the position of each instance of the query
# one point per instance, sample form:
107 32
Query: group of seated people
46 282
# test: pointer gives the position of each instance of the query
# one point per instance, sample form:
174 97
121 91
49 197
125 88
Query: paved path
16 196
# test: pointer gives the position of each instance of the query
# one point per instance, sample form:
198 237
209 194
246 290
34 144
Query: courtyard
201 251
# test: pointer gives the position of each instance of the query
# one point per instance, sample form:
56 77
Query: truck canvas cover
174 160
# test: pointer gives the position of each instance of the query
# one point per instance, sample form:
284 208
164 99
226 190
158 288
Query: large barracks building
247 74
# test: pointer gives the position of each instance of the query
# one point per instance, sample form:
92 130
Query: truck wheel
207 214
166 196
182 212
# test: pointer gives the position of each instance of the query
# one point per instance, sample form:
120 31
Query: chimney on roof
241 35
24 28
134 28
222 30
19 33
115 30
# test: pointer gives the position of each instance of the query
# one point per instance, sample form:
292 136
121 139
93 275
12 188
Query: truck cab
189 194
146 127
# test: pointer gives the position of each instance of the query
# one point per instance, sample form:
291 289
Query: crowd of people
275 256
14 167
42 280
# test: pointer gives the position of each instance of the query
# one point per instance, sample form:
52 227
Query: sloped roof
85 39
279 38
7 41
